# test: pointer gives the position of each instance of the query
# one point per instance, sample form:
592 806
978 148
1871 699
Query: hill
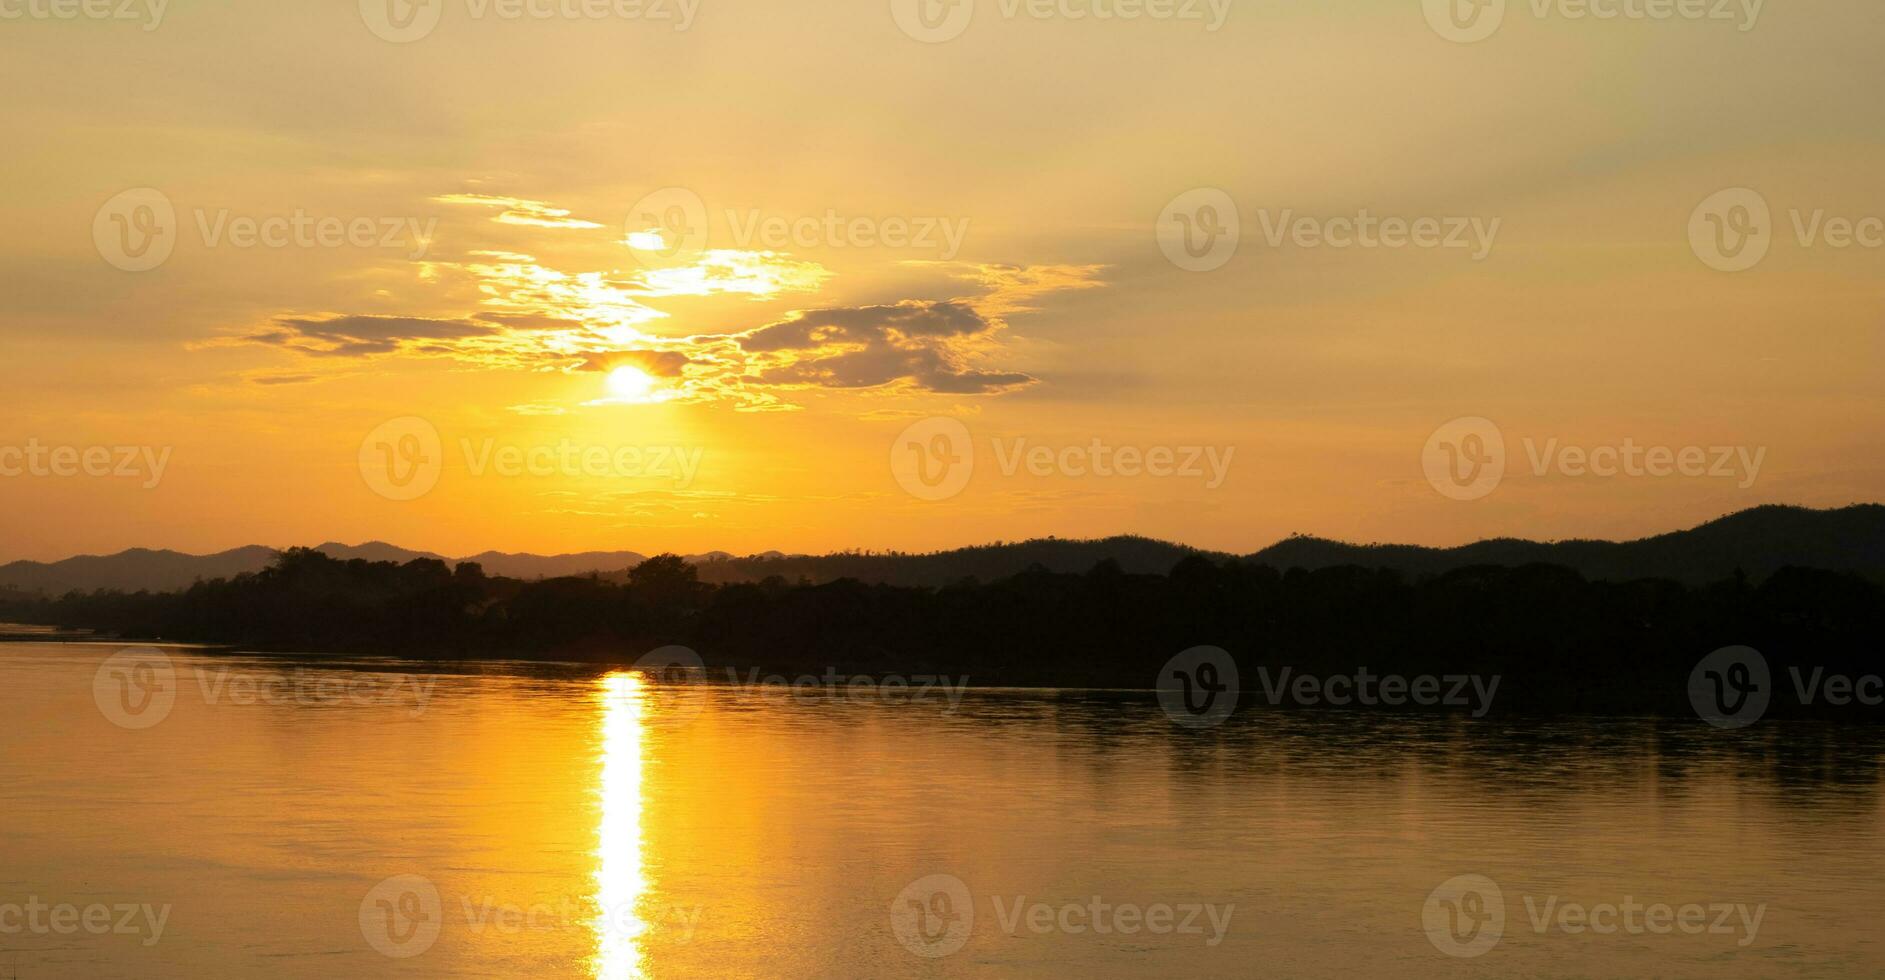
1759 542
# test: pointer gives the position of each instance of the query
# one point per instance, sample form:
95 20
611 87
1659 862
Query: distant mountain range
1758 541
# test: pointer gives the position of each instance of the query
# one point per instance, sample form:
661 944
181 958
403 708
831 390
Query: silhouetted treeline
1558 641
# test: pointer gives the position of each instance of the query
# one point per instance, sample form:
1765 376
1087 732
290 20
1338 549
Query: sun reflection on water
620 884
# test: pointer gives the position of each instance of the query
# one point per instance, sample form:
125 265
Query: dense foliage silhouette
1559 641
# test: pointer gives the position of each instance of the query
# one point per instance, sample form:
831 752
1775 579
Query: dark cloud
363 336
381 328
928 345
868 324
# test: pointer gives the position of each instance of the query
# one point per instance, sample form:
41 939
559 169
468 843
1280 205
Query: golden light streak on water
620 883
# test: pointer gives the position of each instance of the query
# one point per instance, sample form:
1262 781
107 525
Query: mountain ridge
1758 541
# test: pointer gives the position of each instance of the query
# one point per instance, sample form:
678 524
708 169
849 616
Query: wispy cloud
519 211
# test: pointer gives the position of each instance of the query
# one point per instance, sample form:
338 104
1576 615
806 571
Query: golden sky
708 270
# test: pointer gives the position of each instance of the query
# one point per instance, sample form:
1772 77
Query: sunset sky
561 290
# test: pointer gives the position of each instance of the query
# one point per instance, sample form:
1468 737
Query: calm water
215 816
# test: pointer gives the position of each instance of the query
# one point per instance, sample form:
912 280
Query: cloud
660 363
725 270
537 318
532 321
913 342
362 336
519 211
934 346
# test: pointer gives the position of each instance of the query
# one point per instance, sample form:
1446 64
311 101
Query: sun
631 384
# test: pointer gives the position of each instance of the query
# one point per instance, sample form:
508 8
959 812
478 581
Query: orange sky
710 288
